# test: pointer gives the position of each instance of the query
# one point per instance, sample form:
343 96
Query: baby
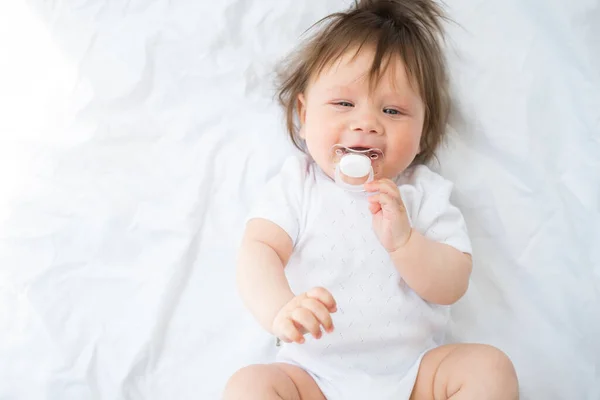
357 283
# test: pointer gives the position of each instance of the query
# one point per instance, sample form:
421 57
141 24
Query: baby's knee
495 366
244 381
256 382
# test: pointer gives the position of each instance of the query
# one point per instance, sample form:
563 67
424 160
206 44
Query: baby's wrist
403 243
405 248
281 302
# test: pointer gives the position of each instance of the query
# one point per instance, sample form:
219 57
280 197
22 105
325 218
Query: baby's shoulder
296 169
296 165
296 174
424 189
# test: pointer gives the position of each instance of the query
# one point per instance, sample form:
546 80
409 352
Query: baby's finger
384 186
387 202
374 208
320 312
372 186
387 187
324 297
308 321
289 332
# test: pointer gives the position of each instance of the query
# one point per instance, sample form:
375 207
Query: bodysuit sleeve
281 199
433 215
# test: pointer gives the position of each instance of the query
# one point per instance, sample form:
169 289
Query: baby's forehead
356 68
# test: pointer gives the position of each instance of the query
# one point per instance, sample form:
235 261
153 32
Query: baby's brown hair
410 29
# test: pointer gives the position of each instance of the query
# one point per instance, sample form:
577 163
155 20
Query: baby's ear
301 108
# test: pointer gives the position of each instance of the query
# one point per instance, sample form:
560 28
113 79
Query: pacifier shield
355 167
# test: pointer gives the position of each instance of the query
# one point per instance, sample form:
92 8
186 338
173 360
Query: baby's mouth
366 150
359 148
362 149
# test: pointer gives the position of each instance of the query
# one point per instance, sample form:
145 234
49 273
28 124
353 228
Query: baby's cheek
397 162
317 147
408 144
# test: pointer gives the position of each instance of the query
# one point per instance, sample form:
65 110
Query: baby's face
339 107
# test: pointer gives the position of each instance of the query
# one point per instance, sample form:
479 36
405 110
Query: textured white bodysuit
382 328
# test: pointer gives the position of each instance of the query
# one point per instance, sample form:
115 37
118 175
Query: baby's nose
366 123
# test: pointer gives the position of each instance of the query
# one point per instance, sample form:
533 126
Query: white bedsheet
134 135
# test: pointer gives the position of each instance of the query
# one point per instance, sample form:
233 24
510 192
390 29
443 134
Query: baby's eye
392 111
344 104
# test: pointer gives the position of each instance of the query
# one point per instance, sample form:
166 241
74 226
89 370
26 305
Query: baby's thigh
272 381
467 371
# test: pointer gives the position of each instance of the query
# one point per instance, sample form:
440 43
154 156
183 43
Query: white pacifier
355 166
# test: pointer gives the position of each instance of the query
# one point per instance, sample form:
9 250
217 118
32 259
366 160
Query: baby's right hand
305 313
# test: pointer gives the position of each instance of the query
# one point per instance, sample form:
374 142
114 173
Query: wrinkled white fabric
134 135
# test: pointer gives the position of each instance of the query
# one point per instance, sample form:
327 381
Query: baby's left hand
390 220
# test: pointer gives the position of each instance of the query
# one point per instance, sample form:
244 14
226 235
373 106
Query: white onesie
382 328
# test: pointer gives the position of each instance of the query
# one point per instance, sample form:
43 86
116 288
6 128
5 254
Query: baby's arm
265 250
437 272
261 280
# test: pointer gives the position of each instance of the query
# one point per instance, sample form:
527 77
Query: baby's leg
272 382
466 372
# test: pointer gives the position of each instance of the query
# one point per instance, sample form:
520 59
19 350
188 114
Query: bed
136 134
